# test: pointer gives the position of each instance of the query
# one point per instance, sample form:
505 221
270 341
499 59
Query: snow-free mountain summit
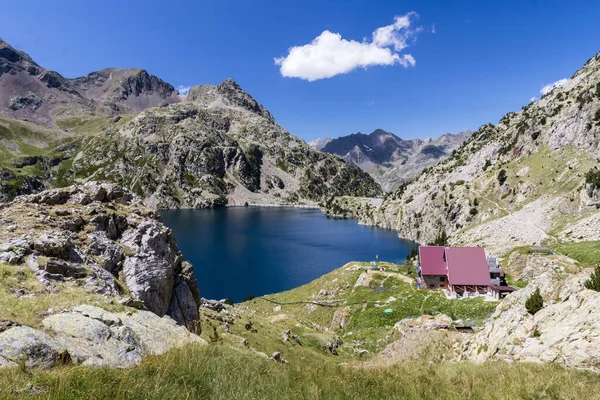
216 146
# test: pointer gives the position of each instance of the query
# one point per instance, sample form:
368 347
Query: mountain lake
242 251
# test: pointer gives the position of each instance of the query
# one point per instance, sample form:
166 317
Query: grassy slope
368 327
18 139
227 369
31 308
586 253
221 372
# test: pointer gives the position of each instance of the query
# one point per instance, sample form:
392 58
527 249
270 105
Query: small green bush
592 177
594 282
441 239
535 302
473 211
412 253
501 177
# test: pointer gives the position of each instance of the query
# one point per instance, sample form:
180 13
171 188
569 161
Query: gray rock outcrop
116 242
565 331
513 183
89 335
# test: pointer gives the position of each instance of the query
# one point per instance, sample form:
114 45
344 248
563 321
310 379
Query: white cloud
433 28
532 99
548 88
183 90
329 54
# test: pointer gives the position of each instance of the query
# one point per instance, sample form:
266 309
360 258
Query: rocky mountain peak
10 54
388 158
227 94
136 87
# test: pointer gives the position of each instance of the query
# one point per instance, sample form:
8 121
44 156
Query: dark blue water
238 252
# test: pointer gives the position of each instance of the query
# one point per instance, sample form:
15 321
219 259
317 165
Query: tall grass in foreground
221 372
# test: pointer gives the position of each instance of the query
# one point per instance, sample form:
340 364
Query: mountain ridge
391 160
528 179
216 146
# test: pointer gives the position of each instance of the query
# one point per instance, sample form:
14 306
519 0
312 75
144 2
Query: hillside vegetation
216 146
530 179
219 372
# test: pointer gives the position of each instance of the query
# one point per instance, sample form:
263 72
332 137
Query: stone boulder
13 251
150 271
564 331
89 335
65 269
34 348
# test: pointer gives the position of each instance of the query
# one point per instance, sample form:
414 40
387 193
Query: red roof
467 266
432 260
503 289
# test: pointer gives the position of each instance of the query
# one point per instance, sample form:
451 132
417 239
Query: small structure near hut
541 250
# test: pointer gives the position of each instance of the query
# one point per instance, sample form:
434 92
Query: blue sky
485 58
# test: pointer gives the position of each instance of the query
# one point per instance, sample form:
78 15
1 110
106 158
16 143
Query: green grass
549 173
90 124
586 253
515 282
368 326
221 372
30 310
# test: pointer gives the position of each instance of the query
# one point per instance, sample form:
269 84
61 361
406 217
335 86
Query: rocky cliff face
96 245
522 181
564 331
218 147
389 159
104 238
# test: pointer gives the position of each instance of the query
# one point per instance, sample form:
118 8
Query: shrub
535 135
410 198
597 115
441 239
214 336
475 201
473 211
487 164
592 177
412 253
501 177
535 302
594 282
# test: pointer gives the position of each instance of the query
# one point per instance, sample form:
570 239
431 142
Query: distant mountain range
213 147
388 158
32 93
